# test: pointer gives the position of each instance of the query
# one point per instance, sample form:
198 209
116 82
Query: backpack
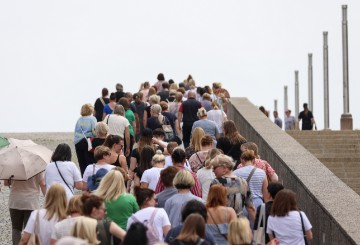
151 233
94 180
165 125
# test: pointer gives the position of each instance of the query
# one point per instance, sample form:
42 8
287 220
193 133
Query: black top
230 149
267 213
306 120
189 109
99 107
164 95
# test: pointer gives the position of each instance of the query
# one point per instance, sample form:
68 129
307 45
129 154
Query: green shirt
129 115
121 209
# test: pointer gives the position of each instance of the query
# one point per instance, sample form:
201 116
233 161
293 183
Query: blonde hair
155 99
223 160
112 186
85 228
183 180
196 137
75 205
87 110
174 86
158 157
101 129
119 110
156 108
239 231
211 155
201 112
56 202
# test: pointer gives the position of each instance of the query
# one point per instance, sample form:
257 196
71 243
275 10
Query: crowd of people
162 166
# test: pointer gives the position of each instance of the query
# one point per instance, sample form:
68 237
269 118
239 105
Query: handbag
34 237
259 234
303 228
88 140
165 125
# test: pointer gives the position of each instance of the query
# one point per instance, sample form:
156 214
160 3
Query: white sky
57 55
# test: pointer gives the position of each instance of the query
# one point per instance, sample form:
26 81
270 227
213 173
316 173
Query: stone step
324 132
325 150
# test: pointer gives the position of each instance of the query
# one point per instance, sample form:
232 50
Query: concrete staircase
337 150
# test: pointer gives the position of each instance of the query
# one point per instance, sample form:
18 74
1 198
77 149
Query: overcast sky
57 55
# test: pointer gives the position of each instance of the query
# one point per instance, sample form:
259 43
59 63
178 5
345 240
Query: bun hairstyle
143 194
158 157
201 112
248 155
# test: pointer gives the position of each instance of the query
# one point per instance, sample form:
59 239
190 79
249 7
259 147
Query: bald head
191 94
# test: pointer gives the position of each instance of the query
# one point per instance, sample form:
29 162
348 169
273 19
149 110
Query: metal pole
296 94
345 59
310 83
285 99
326 80
275 105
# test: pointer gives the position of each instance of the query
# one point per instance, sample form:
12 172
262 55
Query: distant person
119 91
158 84
307 118
263 110
290 121
217 115
109 107
164 93
277 119
145 91
167 176
100 103
206 101
210 127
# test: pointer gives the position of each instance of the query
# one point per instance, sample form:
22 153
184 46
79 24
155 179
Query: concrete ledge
330 204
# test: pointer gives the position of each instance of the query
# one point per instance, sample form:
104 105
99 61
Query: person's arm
145 117
251 210
179 116
309 234
133 164
25 238
136 180
117 231
166 229
144 185
177 127
104 115
264 190
127 140
43 186
274 177
123 163
53 241
232 213
79 185
84 186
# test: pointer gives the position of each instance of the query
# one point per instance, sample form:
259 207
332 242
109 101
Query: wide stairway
339 151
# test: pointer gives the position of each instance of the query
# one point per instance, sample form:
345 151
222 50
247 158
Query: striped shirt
256 181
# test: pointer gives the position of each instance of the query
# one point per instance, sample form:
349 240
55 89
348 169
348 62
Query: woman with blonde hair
217 115
210 127
192 231
231 142
119 204
151 176
240 232
219 214
153 100
42 221
195 142
85 228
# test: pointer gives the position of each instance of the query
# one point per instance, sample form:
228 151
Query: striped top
256 181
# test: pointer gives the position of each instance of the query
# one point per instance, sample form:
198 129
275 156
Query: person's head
164 105
152 91
112 97
102 153
215 105
146 158
156 109
206 141
145 197
129 96
124 102
275 113
119 110
101 129
181 90
247 156
171 81
239 231
284 202
56 202
154 99
250 146
171 146
222 164
178 96
75 205
206 96
165 85
87 110
287 112
159 133
192 229
119 87
147 84
194 206
217 196
85 228
158 158
104 92
174 86
61 153
112 186
137 97
167 175
211 155
93 206
161 77
114 142
145 139
183 180
122 171
216 86
191 95
208 89
202 113
178 156
136 234
273 188
196 137
305 106
231 133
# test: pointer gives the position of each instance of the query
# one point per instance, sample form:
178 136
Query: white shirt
63 228
70 173
161 219
288 229
218 116
205 177
89 171
151 177
45 226
117 124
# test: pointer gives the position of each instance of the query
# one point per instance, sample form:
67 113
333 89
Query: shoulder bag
259 234
217 226
63 178
248 198
303 228
34 237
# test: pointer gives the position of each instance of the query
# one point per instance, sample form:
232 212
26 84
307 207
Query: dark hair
112 96
90 202
160 77
178 156
274 187
112 140
104 92
171 81
61 153
158 132
206 140
284 202
167 175
143 194
305 105
165 85
192 229
146 156
194 206
136 235
124 102
136 96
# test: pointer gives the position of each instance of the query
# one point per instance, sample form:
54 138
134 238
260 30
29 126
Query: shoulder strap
63 178
261 216
217 225
303 228
102 101
200 241
107 121
202 162
250 175
151 220
36 225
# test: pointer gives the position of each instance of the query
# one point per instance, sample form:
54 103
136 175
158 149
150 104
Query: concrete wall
331 206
